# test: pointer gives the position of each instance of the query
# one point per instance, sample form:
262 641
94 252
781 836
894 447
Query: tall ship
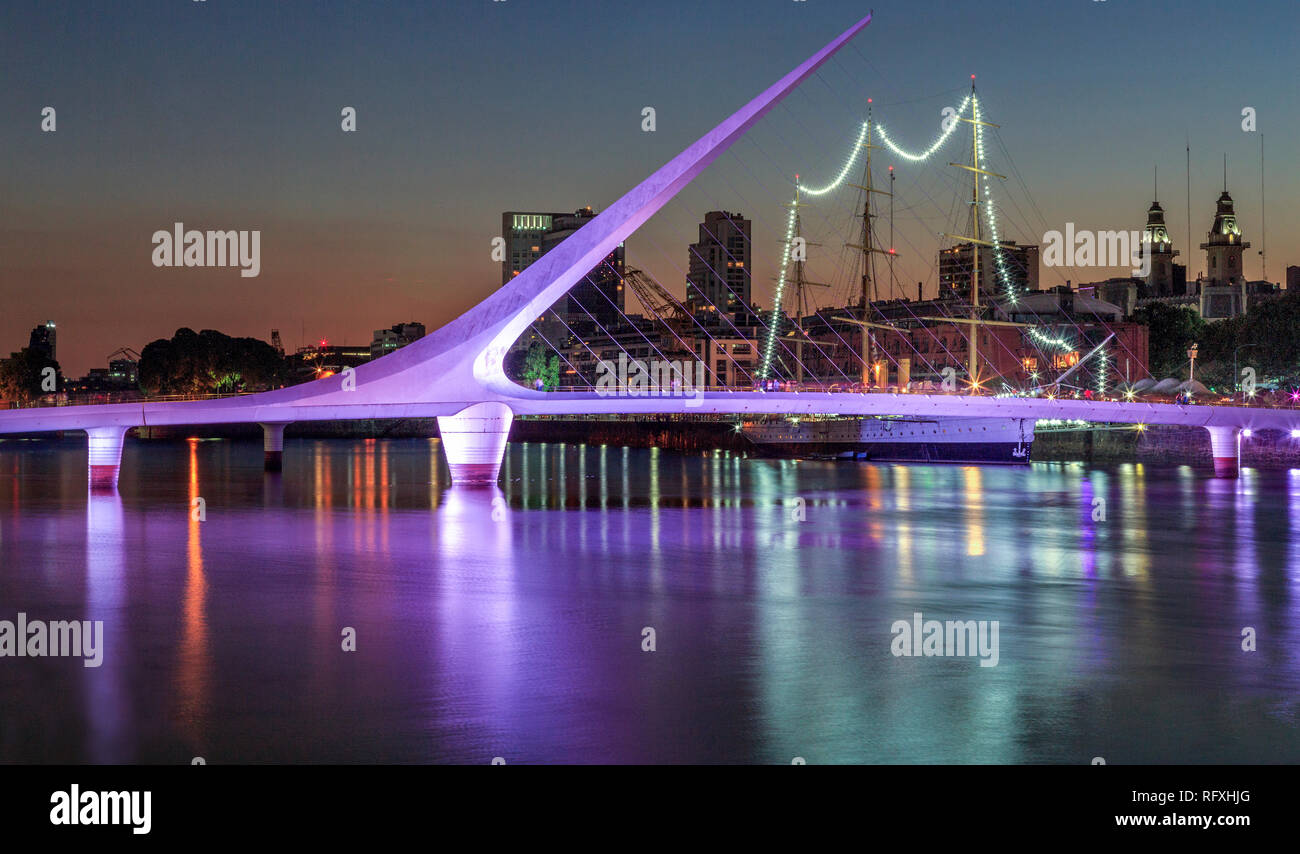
1005 441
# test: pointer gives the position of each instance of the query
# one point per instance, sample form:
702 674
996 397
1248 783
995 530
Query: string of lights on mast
970 102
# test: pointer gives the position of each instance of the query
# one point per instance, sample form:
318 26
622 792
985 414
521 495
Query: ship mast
799 256
973 348
976 238
799 303
892 294
870 370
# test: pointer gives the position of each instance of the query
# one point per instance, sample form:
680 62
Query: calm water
509 622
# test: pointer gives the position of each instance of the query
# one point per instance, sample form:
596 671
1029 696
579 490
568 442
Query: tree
209 362
23 376
1271 328
539 364
552 375
1171 331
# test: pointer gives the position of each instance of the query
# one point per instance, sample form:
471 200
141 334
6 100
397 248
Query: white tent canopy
1168 385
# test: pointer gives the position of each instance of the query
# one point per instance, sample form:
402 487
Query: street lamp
1191 354
1235 375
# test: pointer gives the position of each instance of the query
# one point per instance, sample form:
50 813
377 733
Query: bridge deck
237 410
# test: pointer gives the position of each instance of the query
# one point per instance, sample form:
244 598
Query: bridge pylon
104 456
273 445
1225 445
475 441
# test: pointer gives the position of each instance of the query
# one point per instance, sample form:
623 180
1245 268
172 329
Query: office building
719 279
598 298
394 338
1019 267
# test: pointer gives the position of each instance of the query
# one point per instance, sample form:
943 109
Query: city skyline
774 383
395 220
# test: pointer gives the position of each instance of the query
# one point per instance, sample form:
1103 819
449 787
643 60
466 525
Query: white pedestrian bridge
455 374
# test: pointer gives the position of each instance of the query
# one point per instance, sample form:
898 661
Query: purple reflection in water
508 621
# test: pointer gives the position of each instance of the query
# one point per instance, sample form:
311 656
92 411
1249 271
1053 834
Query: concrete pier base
273 445
475 441
104 454
1225 445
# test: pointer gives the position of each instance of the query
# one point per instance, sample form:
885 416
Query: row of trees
210 362
189 362
1266 338
26 375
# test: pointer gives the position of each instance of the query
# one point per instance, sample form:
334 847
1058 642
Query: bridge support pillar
273 446
104 453
475 441
1225 444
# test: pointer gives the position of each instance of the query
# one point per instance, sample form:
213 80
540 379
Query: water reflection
509 621
108 710
192 654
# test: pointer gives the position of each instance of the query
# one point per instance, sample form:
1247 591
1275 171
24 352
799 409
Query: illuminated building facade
531 234
720 269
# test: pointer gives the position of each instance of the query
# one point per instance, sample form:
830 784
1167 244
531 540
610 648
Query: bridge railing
110 397
1260 400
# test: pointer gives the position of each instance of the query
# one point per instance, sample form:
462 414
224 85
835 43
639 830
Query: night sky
226 115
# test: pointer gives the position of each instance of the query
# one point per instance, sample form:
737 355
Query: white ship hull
939 440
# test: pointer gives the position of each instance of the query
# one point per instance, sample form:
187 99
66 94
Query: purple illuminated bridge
455 374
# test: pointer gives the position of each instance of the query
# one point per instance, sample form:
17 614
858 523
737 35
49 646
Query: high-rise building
530 235
43 340
1020 263
1293 277
124 372
598 297
523 232
394 338
720 276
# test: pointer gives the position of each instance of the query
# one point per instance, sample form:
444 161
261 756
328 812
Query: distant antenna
1225 171
1155 184
1190 244
1263 212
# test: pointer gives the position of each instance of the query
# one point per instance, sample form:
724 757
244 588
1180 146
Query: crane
655 298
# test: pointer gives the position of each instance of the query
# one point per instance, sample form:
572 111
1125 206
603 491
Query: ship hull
983 441
984 453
